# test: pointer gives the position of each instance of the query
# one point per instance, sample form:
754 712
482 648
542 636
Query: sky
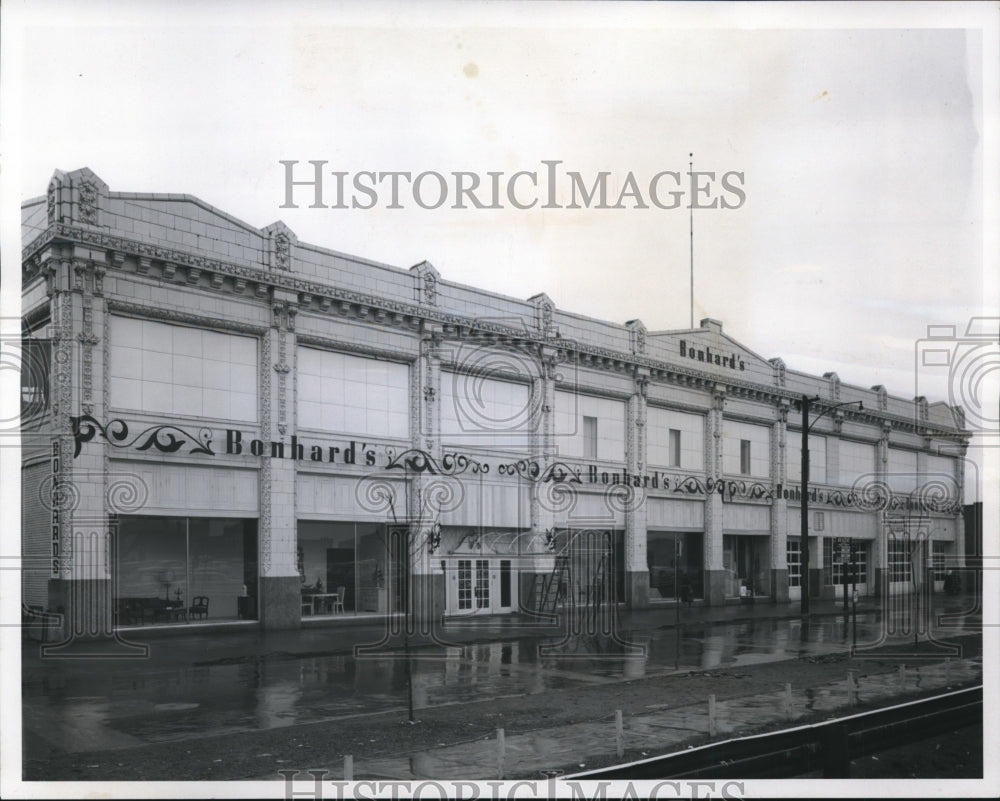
862 139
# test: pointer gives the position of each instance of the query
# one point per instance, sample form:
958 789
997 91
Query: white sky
861 150
860 139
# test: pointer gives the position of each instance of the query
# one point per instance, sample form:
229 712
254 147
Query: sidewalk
248 703
194 645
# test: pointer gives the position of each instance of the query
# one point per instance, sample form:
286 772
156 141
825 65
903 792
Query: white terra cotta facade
290 433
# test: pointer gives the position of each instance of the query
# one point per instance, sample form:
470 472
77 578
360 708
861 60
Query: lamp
434 537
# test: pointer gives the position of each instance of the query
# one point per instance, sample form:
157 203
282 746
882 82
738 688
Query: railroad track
828 746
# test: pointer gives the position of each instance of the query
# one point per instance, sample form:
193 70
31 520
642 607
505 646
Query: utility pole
804 505
804 508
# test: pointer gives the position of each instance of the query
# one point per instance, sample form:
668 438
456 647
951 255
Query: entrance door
480 586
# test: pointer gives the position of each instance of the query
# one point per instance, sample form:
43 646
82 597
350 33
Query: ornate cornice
323 298
172 315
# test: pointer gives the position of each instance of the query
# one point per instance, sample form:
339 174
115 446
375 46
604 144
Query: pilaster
712 542
779 508
280 598
636 565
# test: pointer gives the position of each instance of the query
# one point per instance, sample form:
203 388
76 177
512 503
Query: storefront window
857 571
594 557
938 552
349 568
179 569
661 547
746 560
899 561
793 556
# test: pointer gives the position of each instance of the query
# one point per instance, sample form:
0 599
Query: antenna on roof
691 229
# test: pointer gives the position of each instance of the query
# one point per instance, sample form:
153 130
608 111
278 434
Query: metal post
844 567
348 768
619 734
804 506
854 622
677 609
711 716
409 674
501 754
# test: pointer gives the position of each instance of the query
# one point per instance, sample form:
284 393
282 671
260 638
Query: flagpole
691 231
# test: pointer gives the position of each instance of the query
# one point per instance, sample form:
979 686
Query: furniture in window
199 607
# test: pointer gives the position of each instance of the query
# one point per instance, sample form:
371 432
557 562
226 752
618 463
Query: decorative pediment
882 396
281 242
779 370
427 278
637 335
710 350
76 197
833 385
544 313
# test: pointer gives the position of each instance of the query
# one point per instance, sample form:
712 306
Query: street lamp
806 428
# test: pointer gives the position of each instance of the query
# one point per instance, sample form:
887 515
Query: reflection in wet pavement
121 706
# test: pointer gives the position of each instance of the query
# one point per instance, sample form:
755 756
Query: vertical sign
55 500
842 549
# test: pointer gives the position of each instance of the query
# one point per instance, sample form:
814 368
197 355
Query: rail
828 746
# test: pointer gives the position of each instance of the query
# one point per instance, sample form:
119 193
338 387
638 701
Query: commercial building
225 423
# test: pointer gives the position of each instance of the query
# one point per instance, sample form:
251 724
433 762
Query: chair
338 603
199 606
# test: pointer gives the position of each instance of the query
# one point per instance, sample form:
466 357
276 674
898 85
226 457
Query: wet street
78 705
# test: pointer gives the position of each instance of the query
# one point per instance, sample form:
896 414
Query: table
325 599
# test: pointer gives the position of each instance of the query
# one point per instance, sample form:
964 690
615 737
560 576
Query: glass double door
480 586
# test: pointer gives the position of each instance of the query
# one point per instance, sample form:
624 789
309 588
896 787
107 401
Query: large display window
185 569
351 568
675 561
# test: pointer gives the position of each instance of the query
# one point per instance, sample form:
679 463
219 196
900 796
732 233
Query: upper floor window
817 457
590 437
180 370
603 439
353 394
674 444
674 439
746 449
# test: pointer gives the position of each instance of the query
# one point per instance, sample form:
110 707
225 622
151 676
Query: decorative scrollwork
692 485
531 470
731 489
419 461
162 437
